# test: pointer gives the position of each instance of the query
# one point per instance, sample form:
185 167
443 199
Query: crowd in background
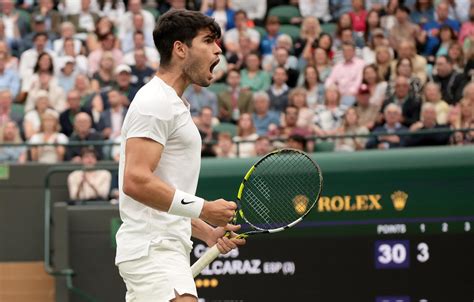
70 68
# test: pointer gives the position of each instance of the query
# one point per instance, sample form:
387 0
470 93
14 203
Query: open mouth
213 65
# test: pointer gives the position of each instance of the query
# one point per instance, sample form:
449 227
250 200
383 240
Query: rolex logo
399 199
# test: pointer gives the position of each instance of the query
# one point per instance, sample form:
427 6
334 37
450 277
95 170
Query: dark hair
37 35
88 150
183 26
37 67
403 8
368 29
306 84
241 12
399 62
448 59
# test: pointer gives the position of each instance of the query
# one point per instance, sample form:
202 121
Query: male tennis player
159 169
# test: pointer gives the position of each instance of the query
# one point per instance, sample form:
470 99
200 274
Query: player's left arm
210 235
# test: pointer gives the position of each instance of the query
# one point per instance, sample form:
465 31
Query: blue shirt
267 44
203 98
261 124
11 81
432 42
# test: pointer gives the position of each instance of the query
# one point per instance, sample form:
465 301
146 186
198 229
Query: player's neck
174 78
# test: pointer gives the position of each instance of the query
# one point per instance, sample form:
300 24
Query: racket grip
209 256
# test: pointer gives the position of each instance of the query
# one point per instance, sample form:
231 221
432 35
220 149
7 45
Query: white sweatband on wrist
186 205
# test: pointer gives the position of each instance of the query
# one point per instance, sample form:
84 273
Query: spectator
144 38
234 100
467 113
432 95
255 10
347 75
456 54
67 74
221 11
322 63
114 9
468 92
358 16
68 30
329 116
10 134
52 17
199 97
253 77
428 122
410 104
452 83
318 9
13 42
126 23
404 29
404 68
467 28
107 45
297 98
340 7
32 119
104 78
231 37
89 183
263 119
6 112
83 132
281 58
372 23
351 126
298 142
103 26
68 53
423 12
204 124
30 57
309 34
123 77
83 86
141 72
237 60
387 137
454 123
314 87
377 38
67 117
246 132
225 147
278 92
45 82
447 37
377 88
39 27
151 54
383 58
111 120
49 133
12 19
407 50
263 146
268 41
367 112
11 62
388 20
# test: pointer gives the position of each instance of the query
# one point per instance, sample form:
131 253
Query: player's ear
180 49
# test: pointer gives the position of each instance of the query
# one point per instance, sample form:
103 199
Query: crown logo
399 199
300 203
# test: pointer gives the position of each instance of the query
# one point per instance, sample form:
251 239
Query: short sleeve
149 126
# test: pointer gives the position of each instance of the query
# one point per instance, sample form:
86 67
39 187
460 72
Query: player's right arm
142 156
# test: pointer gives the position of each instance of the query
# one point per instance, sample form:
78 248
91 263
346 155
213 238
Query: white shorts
156 277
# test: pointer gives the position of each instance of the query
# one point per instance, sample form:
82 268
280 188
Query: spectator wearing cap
52 18
427 122
124 85
83 132
68 116
199 97
9 78
68 30
347 75
232 36
67 74
6 113
452 82
68 52
85 20
404 28
141 72
386 135
151 54
107 45
32 119
367 113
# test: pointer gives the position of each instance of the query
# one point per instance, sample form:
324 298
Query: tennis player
159 167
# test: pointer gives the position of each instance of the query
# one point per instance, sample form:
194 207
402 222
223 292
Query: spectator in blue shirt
268 42
200 97
9 78
263 119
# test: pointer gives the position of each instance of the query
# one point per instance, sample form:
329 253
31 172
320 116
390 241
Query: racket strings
282 188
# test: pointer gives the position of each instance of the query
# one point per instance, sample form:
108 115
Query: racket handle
209 256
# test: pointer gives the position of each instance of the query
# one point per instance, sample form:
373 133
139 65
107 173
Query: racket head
279 190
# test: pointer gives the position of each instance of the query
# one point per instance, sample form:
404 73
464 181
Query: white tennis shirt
158 113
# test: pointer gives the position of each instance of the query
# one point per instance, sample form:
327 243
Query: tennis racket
275 194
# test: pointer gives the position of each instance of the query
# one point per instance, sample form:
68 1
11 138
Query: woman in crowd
32 119
376 85
328 117
245 132
432 94
10 134
383 60
49 133
253 77
298 98
104 78
314 87
350 126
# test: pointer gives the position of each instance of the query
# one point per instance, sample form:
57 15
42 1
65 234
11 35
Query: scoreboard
394 228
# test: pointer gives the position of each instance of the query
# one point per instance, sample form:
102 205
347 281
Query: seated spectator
231 36
263 146
467 113
46 82
67 117
225 147
377 39
32 119
263 118
9 78
407 50
310 31
410 105
447 37
404 68
67 74
89 183
319 10
246 132
456 54
80 61
328 117
422 13
351 126
27 41
383 59
452 83
82 85
377 88
235 100
107 45
141 72
126 22
255 10
6 112
204 124
323 63
221 11
253 77
347 36
468 92
432 95
11 62
297 97
288 127
347 75
10 134
237 60
387 137
467 28
298 142
278 91
151 54
104 78
428 122
123 83
30 58
454 123
103 26
111 119
83 132
143 36
314 87
268 41
282 58
404 28
367 113
52 17
199 97
49 133
358 16
68 30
